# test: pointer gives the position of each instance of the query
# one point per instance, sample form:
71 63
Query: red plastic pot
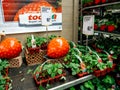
108 70
111 28
103 72
33 50
96 2
97 73
103 27
6 87
95 26
113 67
82 74
103 1
50 80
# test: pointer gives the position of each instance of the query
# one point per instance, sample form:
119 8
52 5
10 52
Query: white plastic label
46 16
88 25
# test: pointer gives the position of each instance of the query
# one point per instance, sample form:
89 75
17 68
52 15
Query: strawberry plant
93 62
48 72
75 68
102 83
38 41
4 79
111 26
74 62
3 65
53 69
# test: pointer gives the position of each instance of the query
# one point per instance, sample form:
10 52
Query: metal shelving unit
72 83
97 6
113 34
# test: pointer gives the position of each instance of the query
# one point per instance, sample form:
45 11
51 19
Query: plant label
46 16
88 25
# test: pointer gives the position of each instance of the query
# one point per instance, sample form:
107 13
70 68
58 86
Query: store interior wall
69 24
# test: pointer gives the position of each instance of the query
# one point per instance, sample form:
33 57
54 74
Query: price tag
46 16
88 25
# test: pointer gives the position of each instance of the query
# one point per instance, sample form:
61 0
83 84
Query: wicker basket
35 58
15 62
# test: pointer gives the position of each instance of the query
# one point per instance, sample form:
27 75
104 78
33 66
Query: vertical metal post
81 27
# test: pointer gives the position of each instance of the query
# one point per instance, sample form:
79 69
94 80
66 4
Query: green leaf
72 88
49 71
82 87
89 85
53 75
59 71
41 88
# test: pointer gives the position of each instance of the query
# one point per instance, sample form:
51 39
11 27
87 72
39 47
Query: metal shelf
97 6
72 83
114 34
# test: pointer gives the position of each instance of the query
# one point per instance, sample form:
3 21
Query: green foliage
3 65
89 85
75 68
41 88
53 69
39 40
102 83
72 88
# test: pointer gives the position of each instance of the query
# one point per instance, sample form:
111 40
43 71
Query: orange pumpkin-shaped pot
10 48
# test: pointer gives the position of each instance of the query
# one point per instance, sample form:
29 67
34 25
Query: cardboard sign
88 25
46 16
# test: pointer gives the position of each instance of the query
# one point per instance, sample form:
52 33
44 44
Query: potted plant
111 26
48 73
4 65
5 81
87 3
96 2
75 63
102 24
35 43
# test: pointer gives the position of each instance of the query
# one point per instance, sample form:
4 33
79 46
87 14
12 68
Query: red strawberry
10 48
57 47
97 2
111 28
103 27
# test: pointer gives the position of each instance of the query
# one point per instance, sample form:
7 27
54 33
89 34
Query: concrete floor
22 80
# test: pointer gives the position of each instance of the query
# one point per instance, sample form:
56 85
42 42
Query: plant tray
50 80
82 74
35 58
111 69
15 62
99 73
